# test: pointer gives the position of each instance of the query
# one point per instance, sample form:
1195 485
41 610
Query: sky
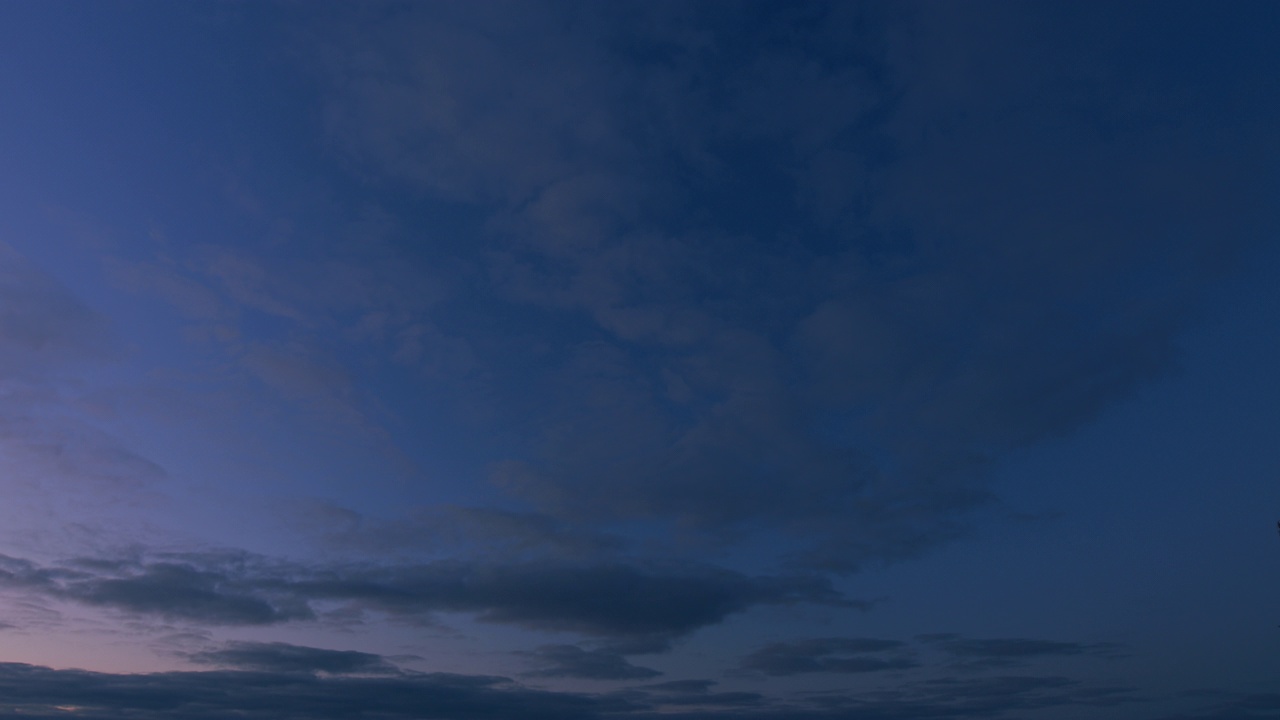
696 360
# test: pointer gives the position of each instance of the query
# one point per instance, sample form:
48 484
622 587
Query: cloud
1007 651
685 693
42 693
606 600
571 661
869 655
813 270
1011 693
475 530
42 324
680 686
278 657
830 655
209 590
60 461
1236 707
610 600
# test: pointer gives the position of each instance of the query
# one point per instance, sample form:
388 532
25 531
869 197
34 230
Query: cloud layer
44 693
625 601
809 269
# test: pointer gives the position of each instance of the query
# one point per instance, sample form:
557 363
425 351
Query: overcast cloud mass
694 360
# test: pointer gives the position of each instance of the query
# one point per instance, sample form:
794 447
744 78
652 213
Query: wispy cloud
831 655
277 657
571 661
825 290
45 693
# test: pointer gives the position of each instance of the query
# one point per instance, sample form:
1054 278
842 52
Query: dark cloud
830 655
946 697
1238 707
277 657
613 599
212 590
808 268
38 692
647 645
868 655
487 531
44 693
641 604
685 693
683 687
1011 693
571 661
1003 651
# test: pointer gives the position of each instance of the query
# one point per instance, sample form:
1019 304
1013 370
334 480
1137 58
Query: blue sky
704 360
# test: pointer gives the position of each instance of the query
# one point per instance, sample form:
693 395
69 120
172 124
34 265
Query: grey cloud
571 661
57 459
188 295
181 592
248 283
830 655
837 260
685 693
277 657
203 592
612 599
1021 692
869 655
647 645
631 602
1013 650
493 532
947 697
47 451
41 321
1254 706
680 686
42 693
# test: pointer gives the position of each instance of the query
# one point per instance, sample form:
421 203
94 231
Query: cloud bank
812 270
617 600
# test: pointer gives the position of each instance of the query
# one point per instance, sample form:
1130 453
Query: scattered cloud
676 695
207 592
571 661
487 531
868 655
1237 707
1012 651
830 655
797 275
43 693
278 657
42 324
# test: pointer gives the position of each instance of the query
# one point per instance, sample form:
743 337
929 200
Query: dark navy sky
701 360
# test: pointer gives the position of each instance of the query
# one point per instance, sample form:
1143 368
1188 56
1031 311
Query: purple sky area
636 360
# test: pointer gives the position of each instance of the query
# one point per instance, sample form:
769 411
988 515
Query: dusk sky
636 360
